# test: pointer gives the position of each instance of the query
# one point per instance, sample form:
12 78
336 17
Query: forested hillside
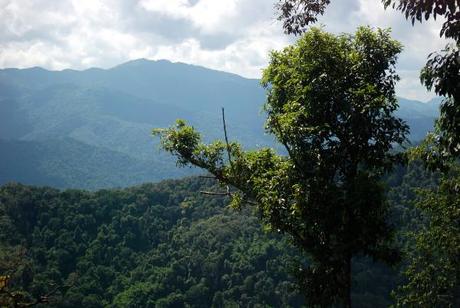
163 244
151 183
92 129
66 162
167 245
111 113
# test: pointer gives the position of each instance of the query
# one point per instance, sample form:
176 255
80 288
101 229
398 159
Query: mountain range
92 129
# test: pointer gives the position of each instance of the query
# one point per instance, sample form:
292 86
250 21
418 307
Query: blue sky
229 35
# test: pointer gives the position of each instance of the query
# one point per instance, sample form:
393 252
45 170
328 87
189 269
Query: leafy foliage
424 10
330 103
154 244
163 244
297 15
442 72
433 274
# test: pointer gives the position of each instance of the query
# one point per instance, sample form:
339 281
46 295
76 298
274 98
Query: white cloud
209 16
409 86
174 8
245 57
230 35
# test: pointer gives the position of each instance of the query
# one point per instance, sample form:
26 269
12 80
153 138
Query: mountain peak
142 62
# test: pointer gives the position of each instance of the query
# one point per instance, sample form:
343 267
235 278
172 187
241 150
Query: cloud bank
228 35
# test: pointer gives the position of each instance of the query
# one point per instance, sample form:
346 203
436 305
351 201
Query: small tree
330 103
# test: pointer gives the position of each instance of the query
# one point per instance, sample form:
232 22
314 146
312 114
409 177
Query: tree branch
207 177
226 139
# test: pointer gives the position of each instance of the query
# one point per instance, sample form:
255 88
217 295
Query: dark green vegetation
166 244
433 274
157 244
91 129
331 103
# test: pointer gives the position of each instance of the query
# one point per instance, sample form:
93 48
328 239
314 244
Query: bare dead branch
211 193
226 139
207 177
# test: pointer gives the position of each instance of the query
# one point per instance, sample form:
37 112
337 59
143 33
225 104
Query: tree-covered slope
169 245
68 163
419 116
112 111
156 245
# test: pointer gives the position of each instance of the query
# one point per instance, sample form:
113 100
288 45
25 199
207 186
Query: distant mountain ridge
52 121
419 116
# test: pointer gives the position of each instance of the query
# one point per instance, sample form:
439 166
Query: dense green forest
331 103
160 244
330 207
167 245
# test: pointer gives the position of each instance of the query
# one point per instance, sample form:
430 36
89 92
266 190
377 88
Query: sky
229 35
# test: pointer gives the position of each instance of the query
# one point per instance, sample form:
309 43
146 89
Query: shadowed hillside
92 129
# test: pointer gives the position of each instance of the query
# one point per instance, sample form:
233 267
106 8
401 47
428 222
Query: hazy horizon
228 35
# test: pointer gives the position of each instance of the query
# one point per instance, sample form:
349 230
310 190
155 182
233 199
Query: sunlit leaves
330 103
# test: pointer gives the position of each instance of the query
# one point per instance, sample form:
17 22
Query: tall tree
330 103
432 260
